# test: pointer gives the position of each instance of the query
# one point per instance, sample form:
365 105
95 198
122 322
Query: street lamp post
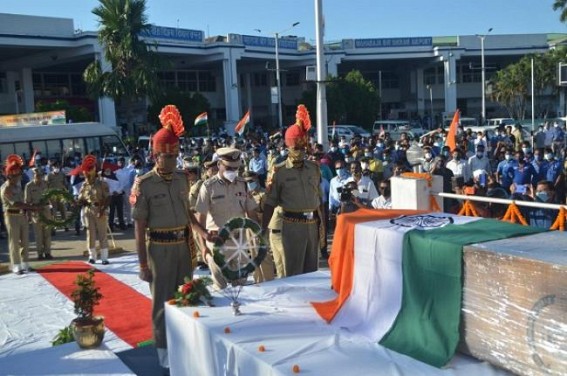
483 74
430 88
278 79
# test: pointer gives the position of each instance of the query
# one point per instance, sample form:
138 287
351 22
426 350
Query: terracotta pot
88 334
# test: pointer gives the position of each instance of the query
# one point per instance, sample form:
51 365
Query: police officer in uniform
222 198
15 217
295 186
160 202
94 196
32 193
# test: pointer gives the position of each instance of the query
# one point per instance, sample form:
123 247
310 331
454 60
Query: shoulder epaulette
210 181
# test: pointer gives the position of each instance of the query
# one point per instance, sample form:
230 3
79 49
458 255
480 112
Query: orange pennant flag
452 135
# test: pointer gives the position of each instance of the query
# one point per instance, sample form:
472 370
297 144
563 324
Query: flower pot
88 333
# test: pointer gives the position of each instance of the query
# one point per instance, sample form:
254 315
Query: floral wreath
193 292
242 247
59 195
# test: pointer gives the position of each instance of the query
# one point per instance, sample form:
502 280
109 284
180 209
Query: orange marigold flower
296 368
227 330
172 302
196 314
261 348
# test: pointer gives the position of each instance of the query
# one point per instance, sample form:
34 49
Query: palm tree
134 65
561 4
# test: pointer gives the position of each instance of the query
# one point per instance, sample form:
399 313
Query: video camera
345 193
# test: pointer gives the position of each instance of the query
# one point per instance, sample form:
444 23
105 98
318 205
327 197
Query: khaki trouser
169 264
265 271
18 239
42 235
59 206
276 247
300 247
96 229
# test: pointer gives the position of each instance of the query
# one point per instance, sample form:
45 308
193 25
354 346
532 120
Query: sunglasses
230 168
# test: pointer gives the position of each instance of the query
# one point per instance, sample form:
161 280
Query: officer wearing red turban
295 186
160 209
13 201
95 197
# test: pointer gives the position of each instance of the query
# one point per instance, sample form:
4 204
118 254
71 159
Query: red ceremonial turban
166 140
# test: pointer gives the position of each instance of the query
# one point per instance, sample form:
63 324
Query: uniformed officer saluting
295 187
160 202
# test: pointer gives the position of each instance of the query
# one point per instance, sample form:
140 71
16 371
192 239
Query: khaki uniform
297 191
265 272
42 232
16 226
221 201
276 244
57 181
193 194
164 206
96 195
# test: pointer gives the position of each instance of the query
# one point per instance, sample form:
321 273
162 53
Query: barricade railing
512 214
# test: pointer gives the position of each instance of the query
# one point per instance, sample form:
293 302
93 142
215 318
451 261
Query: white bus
61 141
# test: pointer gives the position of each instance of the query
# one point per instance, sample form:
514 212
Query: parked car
348 131
396 127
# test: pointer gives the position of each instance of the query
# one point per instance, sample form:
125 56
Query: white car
348 131
396 127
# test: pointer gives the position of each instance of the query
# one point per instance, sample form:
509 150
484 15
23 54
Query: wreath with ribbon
242 247
58 195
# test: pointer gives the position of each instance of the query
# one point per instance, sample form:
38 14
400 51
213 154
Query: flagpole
322 123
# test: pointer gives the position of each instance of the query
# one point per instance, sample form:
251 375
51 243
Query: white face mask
364 166
229 175
56 170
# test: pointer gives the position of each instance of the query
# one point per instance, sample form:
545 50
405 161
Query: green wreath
242 248
59 195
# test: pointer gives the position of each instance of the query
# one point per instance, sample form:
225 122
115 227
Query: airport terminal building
42 59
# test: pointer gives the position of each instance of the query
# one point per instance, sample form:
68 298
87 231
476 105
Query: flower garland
193 292
241 224
58 195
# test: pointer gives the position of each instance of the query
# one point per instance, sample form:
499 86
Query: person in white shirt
116 198
459 166
366 188
479 161
384 201
126 176
336 183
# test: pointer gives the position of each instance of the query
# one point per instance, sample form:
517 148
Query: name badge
217 197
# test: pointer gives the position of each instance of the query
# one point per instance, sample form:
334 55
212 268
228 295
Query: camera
345 193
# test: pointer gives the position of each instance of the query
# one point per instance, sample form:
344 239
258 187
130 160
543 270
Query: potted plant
88 329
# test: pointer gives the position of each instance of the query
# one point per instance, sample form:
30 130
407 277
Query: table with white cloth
278 315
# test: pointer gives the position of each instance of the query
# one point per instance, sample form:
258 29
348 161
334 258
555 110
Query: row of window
58 84
201 81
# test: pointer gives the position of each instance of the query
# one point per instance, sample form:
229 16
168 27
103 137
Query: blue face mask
252 185
343 173
543 196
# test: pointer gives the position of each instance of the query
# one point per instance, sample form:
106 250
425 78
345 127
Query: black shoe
105 262
48 256
53 232
30 269
78 232
325 255
20 272
41 257
123 227
66 229
165 371
92 261
203 267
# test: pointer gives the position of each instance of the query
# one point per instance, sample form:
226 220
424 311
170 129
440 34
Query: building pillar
231 94
248 85
422 93
26 95
450 68
106 107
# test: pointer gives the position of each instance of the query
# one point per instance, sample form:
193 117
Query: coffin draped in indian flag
402 287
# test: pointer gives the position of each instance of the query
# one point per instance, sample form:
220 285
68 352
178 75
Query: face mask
556 125
364 166
508 157
549 157
397 147
252 186
343 173
229 175
456 157
526 150
537 157
56 170
543 196
283 153
380 145
438 144
166 165
368 154
445 153
428 156
479 154
334 149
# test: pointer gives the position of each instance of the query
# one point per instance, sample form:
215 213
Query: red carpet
126 312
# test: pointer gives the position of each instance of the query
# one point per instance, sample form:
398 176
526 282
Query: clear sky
343 18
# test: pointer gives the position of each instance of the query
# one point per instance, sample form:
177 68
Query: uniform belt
301 217
276 231
169 236
14 211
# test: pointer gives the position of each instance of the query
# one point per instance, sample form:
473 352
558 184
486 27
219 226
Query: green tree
133 63
561 5
189 105
350 100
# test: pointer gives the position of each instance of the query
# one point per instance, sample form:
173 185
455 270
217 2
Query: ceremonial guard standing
15 217
56 180
94 196
160 203
33 192
295 186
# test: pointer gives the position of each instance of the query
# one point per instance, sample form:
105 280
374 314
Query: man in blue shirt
505 170
336 183
523 172
540 166
555 175
258 165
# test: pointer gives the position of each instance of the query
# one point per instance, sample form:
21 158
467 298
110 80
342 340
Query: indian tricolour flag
243 123
398 276
201 119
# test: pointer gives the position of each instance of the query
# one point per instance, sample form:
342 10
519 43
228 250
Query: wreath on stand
58 195
242 247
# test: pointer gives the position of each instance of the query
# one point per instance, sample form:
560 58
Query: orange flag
452 135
